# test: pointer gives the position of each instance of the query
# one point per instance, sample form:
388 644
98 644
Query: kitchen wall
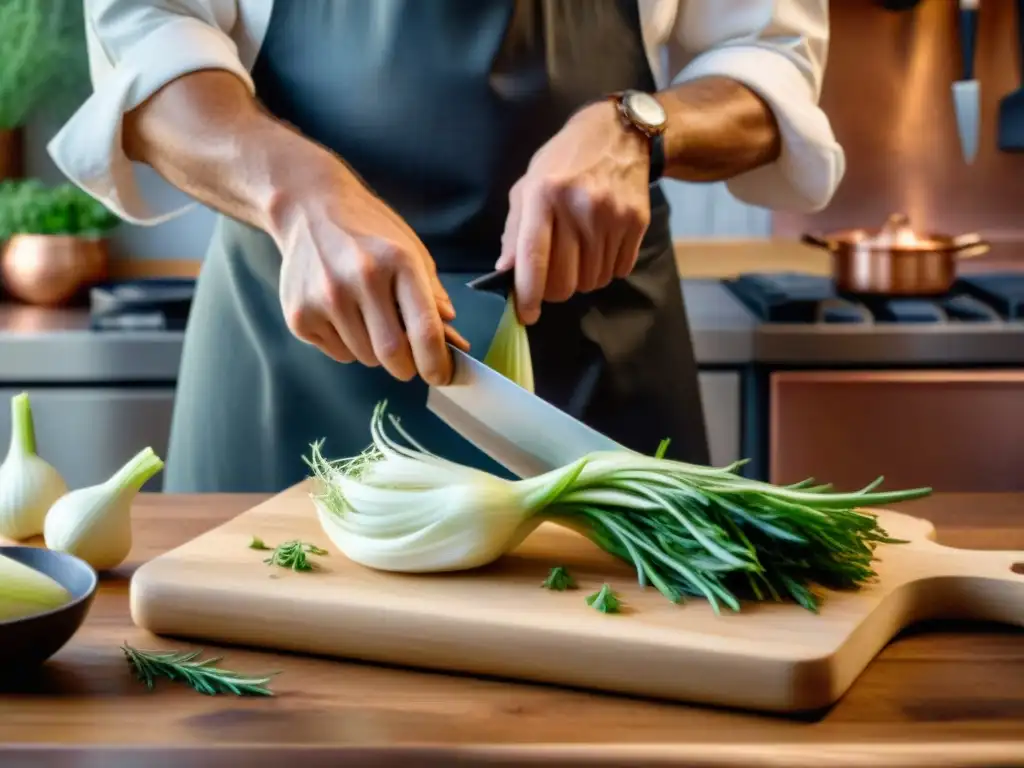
887 93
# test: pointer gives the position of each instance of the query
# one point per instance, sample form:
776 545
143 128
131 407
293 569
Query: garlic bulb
94 523
28 485
24 591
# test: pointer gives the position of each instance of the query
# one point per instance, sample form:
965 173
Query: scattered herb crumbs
292 554
559 579
604 600
202 675
257 543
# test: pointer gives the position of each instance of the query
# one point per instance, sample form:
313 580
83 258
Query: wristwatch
642 112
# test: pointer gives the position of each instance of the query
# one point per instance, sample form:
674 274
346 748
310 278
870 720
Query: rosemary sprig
605 600
291 554
559 580
203 676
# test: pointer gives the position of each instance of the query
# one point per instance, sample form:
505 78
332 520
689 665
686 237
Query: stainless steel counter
46 346
42 346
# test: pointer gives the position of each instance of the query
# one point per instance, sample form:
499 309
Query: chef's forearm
717 129
209 137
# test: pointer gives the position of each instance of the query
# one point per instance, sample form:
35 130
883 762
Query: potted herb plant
42 56
56 241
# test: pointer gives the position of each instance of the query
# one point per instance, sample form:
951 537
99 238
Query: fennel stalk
688 530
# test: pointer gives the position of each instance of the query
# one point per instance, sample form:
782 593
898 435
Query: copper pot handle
970 245
979 249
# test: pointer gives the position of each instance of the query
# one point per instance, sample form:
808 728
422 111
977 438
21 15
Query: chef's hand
357 282
578 214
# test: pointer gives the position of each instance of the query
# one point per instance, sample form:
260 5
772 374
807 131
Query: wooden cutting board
498 621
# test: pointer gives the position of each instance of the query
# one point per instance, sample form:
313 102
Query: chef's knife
522 432
966 96
501 281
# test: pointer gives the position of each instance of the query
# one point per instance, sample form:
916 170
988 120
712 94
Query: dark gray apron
439 106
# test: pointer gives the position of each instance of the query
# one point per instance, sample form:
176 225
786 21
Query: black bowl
27 642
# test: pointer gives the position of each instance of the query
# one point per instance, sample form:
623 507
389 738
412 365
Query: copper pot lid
894 236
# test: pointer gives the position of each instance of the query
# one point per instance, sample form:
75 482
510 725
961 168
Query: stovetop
796 298
153 304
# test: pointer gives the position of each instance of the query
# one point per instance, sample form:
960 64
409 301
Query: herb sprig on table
201 675
605 600
291 554
559 580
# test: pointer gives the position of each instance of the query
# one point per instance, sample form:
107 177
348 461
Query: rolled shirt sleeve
135 48
778 49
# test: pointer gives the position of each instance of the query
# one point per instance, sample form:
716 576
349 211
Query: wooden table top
951 695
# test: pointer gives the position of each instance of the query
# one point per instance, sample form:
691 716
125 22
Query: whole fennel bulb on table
28 484
94 523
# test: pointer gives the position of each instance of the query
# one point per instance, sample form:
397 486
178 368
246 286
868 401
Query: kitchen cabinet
953 430
88 433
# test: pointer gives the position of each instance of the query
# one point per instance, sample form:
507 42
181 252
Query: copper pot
49 270
896 261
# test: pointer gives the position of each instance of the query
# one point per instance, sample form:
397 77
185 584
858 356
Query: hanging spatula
966 93
1011 108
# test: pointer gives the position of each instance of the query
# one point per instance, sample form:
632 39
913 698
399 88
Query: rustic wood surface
945 695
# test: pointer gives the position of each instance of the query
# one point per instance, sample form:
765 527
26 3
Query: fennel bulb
94 523
24 591
28 484
395 510
509 353
686 529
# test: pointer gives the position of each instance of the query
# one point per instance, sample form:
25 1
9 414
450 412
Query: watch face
645 108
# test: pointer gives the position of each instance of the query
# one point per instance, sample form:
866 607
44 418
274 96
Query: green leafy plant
42 55
203 676
28 207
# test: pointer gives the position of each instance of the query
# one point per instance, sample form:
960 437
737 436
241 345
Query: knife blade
966 92
519 430
501 282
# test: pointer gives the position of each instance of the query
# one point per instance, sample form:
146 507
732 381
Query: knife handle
968 37
502 281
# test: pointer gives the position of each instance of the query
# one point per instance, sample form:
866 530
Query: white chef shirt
777 48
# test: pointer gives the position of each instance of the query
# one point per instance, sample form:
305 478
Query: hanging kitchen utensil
895 260
966 95
1011 108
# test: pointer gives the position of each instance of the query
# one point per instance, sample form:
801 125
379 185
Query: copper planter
50 270
896 261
